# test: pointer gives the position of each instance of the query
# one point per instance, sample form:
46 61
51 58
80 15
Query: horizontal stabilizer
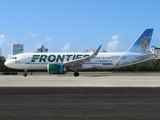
146 56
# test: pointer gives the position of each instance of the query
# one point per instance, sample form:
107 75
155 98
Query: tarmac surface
79 103
90 96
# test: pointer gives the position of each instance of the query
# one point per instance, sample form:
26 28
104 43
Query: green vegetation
151 65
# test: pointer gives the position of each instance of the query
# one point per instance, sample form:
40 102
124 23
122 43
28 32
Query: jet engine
56 68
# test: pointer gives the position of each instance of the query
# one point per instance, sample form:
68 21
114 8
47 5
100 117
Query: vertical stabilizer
141 45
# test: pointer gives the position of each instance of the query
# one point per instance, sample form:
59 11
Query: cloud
32 34
66 47
113 44
2 38
48 39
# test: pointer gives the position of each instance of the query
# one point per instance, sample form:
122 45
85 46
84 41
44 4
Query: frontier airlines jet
59 62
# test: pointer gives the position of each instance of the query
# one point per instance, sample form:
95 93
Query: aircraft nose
8 63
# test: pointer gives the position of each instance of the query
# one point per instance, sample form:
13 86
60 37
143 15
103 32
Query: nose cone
9 64
6 63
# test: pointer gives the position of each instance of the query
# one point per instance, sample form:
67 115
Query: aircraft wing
79 62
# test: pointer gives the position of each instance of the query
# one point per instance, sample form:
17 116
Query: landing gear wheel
25 74
76 74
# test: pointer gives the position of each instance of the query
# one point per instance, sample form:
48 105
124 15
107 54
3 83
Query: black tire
25 74
76 74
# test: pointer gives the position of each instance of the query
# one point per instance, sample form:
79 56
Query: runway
90 97
79 103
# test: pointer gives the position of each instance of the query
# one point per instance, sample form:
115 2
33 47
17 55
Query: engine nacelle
56 68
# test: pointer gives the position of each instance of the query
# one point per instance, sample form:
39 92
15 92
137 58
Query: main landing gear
25 73
76 74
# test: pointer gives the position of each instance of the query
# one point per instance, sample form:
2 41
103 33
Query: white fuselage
34 61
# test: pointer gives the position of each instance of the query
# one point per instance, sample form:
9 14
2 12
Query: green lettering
61 58
51 58
79 56
43 58
85 55
34 58
74 57
68 57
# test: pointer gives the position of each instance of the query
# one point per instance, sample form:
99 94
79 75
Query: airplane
60 62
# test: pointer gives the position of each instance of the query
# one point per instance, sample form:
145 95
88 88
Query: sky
76 25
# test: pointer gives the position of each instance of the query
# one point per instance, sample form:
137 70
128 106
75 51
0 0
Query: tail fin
141 45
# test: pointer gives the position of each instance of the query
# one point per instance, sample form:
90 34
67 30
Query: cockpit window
13 57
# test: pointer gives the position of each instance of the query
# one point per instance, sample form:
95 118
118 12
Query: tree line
151 65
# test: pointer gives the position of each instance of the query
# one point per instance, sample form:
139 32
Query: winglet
97 51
